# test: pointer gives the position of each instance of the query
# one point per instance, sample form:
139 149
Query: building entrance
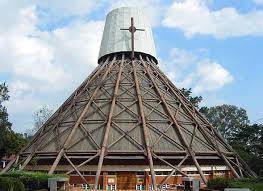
126 180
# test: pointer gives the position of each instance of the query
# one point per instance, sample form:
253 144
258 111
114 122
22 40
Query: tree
228 119
195 100
10 142
4 123
233 124
13 143
40 117
249 144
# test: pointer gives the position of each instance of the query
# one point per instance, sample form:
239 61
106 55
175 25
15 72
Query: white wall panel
116 40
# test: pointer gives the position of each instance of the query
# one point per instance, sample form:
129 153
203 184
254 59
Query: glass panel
111 187
140 173
140 187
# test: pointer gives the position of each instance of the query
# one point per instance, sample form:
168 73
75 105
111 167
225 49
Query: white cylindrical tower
115 40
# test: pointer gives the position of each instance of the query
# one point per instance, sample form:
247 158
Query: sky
47 48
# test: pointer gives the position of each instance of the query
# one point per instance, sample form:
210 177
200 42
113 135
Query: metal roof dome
116 40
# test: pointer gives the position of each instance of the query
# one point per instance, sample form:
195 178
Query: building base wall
139 180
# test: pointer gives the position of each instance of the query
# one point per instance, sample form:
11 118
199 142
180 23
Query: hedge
31 180
11 184
255 184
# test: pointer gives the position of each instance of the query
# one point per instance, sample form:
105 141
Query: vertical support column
191 153
145 130
107 129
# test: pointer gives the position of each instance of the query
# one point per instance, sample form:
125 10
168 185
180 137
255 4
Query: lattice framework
128 107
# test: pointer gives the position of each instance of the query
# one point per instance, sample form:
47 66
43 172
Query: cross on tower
132 30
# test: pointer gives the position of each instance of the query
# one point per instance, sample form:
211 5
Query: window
91 186
100 186
93 173
219 172
150 187
178 173
111 180
162 173
165 186
111 173
111 187
140 180
140 187
192 172
141 173
86 186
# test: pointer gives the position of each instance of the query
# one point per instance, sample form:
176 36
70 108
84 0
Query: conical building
127 126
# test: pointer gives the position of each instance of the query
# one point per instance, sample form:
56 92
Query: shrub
32 180
11 184
219 183
255 184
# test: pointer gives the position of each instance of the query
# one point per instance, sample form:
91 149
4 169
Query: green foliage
219 183
195 100
10 142
32 180
251 138
5 125
228 119
233 124
255 184
249 144
11 184
3 93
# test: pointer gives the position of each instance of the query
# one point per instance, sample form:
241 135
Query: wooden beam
145 129
180 135
38 136
85 162
108 126
230 166
53 167
172 87
8 166
126 133
240 170
252 173
83 113
28 159
200 127
82 177
174 170
174 167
